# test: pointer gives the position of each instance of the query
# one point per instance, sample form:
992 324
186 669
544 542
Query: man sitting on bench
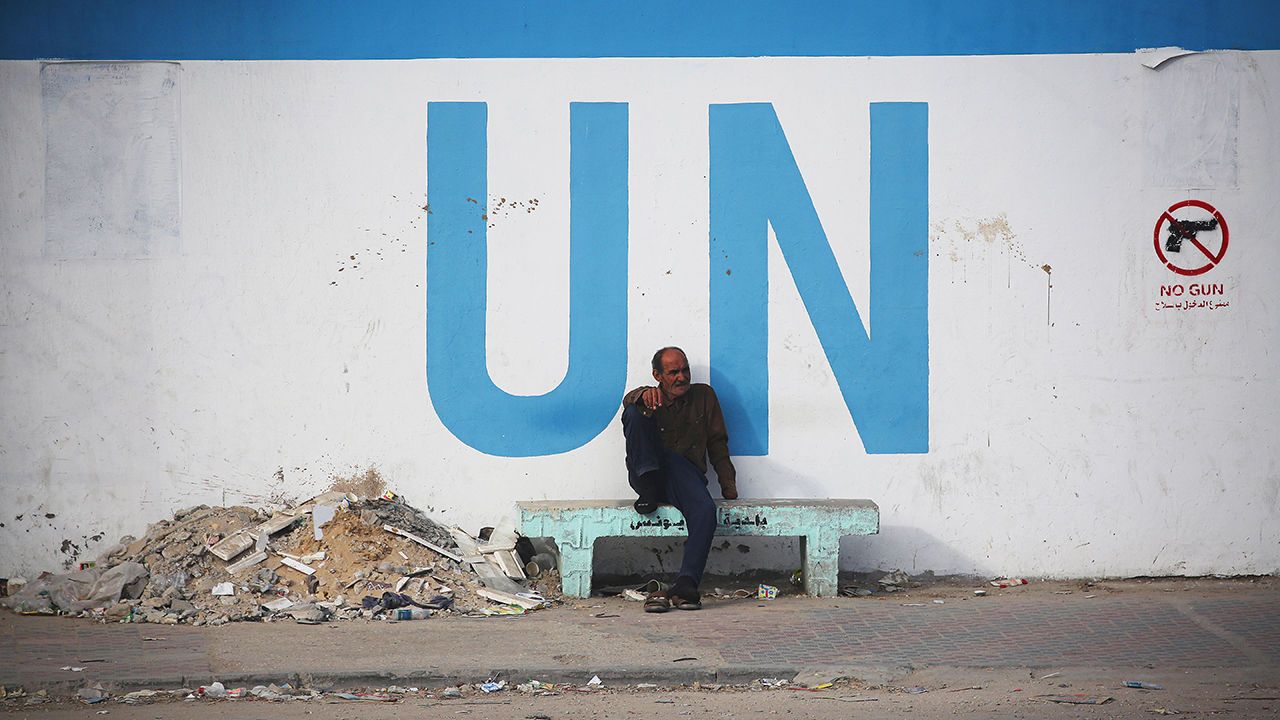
671 429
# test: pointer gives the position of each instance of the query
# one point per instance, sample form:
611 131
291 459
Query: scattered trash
939 602
980 593
766 592
369 697
847 698
1142 685
915 690
224 589
451 692
912 604
962 689
1163 711
496 610
1075 699
212 690
492 687
684 659
72 669
894 581
1050 675
634 595
605 615
139 696
1012 582
409 614
595 681
92 695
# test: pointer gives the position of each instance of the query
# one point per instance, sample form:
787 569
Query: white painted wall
196 343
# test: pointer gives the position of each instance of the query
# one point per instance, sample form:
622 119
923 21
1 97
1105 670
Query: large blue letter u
465 398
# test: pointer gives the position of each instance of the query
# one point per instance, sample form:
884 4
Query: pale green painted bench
576 525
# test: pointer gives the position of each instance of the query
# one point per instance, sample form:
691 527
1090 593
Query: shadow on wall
902 547
906 548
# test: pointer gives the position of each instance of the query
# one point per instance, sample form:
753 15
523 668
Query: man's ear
657 376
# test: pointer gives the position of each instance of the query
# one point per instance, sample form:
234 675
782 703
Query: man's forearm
633 397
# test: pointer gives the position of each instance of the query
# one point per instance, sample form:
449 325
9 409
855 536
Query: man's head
671 370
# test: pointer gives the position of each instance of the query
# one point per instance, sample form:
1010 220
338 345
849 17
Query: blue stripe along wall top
402 29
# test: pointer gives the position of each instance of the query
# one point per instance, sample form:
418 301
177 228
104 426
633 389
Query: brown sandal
683 603
657 602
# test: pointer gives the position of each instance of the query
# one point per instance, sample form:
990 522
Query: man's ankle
685 587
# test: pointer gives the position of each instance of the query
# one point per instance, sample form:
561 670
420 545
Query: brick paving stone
36 649
1007 632
1213 631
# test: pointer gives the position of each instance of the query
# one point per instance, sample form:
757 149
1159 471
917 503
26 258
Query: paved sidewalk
1170 625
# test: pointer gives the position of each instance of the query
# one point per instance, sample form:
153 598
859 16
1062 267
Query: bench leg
821 564
575 570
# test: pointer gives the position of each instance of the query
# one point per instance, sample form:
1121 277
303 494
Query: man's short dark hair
657 357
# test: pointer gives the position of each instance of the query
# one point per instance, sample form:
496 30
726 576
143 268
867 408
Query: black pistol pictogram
1180 230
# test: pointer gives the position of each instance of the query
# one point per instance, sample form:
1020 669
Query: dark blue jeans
683 485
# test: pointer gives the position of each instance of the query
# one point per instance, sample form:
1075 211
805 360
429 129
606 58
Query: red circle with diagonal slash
1213 259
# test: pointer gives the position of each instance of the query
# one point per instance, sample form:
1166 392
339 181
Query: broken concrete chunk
249 561
232 546
320 517
278 604
509 599
300 567
424 543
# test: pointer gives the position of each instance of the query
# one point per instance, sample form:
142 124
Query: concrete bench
576 525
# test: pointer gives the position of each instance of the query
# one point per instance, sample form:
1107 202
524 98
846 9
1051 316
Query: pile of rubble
338 556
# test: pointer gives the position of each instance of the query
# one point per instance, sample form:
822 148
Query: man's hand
651 398
729 489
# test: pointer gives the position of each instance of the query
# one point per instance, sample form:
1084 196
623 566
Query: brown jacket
693 426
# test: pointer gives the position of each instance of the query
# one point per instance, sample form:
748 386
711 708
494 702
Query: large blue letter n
467 401
755 183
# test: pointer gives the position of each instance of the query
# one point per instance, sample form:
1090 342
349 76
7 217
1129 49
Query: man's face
674 377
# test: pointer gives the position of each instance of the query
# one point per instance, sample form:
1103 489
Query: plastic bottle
409 613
